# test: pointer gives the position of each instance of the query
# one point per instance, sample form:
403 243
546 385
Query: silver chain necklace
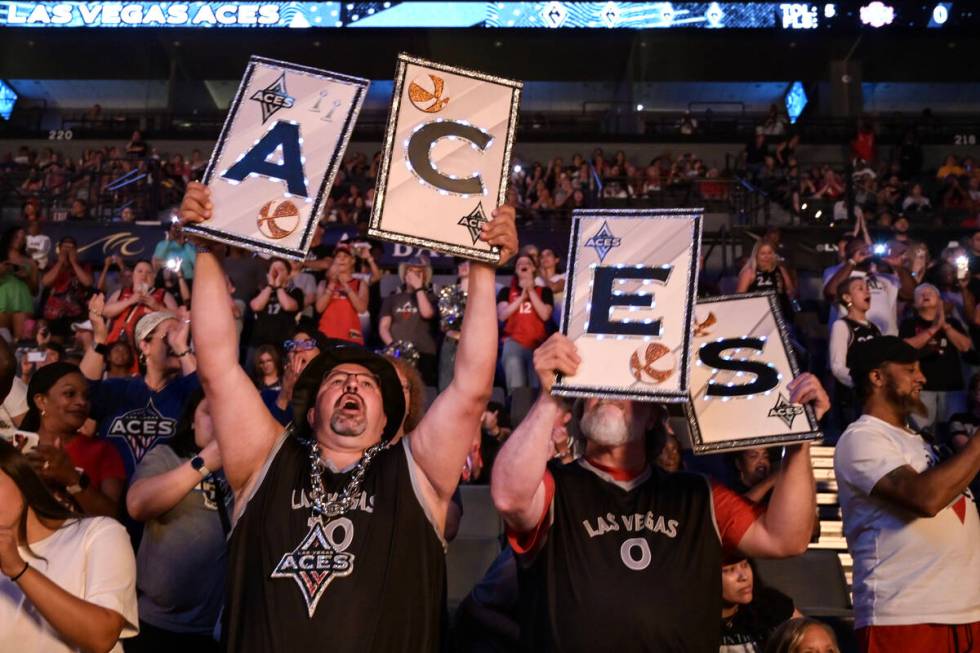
351 494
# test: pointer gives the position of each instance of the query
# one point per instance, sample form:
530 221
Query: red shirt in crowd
524 326
339 319
98 458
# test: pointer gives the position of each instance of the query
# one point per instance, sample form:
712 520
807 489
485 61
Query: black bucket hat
308 385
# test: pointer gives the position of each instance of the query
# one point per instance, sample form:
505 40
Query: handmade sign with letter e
743 362
277 155
446 157
632 280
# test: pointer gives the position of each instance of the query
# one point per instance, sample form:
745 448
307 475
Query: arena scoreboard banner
743 362
629 307
805 16
277 155
446 157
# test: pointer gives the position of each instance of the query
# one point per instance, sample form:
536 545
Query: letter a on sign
276 157
446 157
629 303
742 363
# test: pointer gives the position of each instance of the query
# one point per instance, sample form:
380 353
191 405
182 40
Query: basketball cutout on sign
425 92
653 363
278 218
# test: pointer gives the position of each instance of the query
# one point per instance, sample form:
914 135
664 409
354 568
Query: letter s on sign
766 379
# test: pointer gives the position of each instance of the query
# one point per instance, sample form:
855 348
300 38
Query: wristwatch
82 484
198 464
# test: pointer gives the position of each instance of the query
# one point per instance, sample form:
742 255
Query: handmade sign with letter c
743 362
629 307
446 157
277 156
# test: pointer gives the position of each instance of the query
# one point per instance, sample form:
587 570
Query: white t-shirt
907 569
92 559
13 406
884 299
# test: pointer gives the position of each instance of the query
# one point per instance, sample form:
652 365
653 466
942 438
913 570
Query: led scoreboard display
505 15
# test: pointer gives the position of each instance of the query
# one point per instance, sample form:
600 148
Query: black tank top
625 567
371 580
860 332
772 281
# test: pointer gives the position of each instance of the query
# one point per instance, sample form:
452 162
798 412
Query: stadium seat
814 580
477 543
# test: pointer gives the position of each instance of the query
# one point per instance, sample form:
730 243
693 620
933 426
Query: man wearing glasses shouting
338 537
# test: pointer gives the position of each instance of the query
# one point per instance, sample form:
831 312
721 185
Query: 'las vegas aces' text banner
743 362
632 281
446 157
277 155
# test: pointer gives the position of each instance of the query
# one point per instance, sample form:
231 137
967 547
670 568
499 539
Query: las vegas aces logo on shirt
319 559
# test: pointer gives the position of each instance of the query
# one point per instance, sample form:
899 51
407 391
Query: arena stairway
831 526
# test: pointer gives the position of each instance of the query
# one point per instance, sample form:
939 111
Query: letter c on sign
626 553
420 146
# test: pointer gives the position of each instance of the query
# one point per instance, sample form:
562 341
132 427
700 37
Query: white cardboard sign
446 157
629 307
275 160
743 362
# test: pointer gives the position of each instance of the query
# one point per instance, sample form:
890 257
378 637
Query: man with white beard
615 554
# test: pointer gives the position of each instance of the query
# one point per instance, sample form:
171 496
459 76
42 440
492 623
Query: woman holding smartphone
126 306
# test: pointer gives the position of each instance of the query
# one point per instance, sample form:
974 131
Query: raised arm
786 526
114 306
441 441
541 308
93 363
506 309
152 496
49 277
842 274
517 481
244 428
927 493
358 298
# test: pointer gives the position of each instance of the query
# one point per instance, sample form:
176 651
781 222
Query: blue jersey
269 397
134 418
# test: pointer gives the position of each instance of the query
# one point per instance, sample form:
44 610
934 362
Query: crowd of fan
884 184
106 369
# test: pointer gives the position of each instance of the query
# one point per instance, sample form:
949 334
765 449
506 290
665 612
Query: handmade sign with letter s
277 155
446 157
743 362
629 307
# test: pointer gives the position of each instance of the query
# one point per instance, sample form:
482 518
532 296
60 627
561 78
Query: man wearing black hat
338 537
910 523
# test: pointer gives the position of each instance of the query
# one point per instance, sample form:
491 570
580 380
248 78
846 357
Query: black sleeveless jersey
370 580
858 332
630 566
772 281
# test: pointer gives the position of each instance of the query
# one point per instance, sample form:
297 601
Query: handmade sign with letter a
743 362
632 281
446 157
277 155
